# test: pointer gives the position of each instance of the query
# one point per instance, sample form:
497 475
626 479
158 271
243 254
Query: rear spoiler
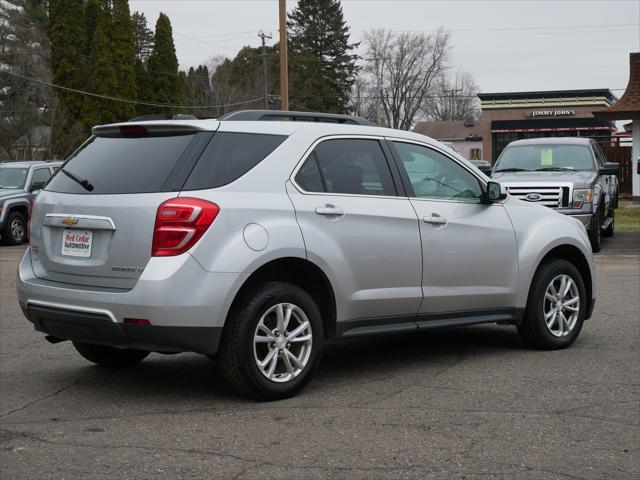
146 129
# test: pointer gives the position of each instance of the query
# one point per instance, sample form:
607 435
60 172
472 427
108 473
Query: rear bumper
186 306
100 329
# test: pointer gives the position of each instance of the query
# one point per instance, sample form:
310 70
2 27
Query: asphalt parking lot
459 403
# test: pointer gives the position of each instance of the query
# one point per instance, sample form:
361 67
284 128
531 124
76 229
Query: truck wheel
108 356
595 233
15 230
272 343
610 230
556 306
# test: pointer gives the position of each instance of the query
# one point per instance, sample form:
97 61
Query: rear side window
122 165
308 176
229 156
354 166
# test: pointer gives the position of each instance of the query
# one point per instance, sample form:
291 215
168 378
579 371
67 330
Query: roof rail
163 116
281 115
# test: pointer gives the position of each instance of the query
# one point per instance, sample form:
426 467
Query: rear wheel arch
574 256
302 273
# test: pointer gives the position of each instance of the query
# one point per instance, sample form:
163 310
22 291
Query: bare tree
406 68
225 90
456 98
362 101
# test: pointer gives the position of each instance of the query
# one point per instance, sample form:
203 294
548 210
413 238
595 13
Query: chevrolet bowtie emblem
70 220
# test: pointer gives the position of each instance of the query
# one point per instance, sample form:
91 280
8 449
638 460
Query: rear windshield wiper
83 182
514 169
553 169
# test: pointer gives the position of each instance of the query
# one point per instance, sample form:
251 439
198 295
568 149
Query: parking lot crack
51 395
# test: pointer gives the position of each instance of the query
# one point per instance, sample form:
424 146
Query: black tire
236 354
533 328
108 356
611 229
595 232
15 229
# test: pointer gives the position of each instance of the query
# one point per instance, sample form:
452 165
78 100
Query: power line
545 28
126 100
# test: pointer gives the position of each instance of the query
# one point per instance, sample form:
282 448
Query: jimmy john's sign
560 112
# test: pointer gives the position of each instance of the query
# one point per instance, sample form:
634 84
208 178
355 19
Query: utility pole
263 36
284 73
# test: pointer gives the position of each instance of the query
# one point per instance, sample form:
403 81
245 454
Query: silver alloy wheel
282 342
561 305
17 229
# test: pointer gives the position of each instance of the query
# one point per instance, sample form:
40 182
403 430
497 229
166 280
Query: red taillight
134 131
143 322
180 222
31 202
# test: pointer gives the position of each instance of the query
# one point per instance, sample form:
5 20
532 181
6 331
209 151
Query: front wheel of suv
272 343
107 356
555 308
15 230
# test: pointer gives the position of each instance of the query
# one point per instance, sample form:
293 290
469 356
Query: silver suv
256 241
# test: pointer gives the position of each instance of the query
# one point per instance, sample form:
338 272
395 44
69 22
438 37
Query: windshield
13 177
546 157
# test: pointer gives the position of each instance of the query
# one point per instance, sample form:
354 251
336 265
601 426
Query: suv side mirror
494 193
609 168
36 186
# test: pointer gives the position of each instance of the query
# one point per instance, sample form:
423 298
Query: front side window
434 175
545 157
354 166
599 153
40 176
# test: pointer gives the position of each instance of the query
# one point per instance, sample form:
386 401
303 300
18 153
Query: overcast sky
507 45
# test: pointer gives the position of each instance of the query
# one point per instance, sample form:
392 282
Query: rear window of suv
145 164
122 165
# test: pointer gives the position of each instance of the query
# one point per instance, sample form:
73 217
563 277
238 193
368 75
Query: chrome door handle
435 219
330 211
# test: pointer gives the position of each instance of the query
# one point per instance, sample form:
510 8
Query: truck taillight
180 222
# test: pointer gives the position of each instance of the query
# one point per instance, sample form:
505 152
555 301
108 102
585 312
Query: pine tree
101 76
66 35
317 27
143 88
308 89
143 36
123 48
163 65
91 14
